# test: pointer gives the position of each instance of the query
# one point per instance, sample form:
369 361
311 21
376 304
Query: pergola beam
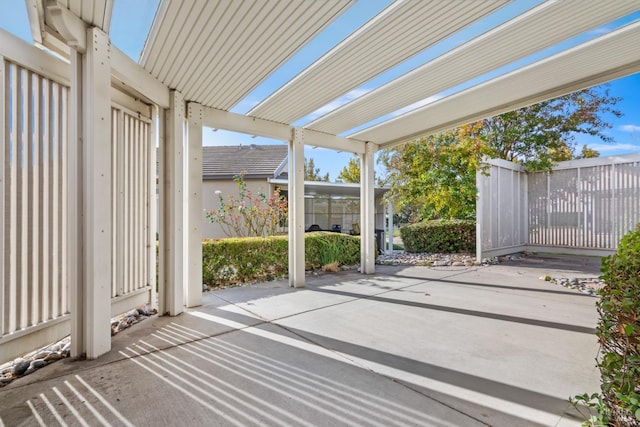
127 73
234 122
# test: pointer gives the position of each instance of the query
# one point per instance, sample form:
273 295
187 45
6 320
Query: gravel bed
44 356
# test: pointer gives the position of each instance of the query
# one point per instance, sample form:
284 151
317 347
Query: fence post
479 217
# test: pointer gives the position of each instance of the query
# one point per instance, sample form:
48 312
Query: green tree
312 173
435 176
587 153
539 135
351 172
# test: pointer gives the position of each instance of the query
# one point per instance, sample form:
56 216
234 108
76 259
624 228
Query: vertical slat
114 201
54 185
45 201
128 205
34 181
117 137
152 203
125 202
135 206
12 223
144 215
142 157
139 203
23 198
63 248
4 168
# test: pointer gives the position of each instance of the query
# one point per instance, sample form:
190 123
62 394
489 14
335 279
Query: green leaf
628 329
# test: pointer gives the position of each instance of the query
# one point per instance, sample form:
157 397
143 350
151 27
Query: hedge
250 259
619 333
440 236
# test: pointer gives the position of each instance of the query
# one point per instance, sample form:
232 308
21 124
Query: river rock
37 364
53 357
21 367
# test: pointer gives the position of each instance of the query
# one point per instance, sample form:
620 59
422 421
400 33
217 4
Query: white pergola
202 57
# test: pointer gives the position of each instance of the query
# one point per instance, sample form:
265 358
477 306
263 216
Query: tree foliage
312 173
539 135
351 172
434 177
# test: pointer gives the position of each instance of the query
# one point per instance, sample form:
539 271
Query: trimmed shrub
323 247
440 236
239 260
619 333
250 259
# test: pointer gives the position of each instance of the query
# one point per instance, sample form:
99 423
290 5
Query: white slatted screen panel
584 207
33 215
131 144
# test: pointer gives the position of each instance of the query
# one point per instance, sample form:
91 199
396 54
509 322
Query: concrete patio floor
452 346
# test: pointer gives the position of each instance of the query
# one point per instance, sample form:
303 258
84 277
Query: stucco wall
321 217
210 200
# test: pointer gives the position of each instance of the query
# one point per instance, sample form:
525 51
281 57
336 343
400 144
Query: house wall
227 187
344 211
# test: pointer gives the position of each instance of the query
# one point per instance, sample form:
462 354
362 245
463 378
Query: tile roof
257 161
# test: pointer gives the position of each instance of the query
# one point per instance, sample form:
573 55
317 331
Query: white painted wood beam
220 119
296 209
226 120
333 142
130 75
368 247
97 193
36 60
71 27
193 206
172 230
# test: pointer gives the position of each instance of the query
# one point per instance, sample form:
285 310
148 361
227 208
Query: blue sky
132 19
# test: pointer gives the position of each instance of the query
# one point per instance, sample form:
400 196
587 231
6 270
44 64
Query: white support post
95 115
296 209
172 218
193 289
389 227
367 212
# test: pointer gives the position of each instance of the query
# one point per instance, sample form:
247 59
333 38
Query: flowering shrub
249 215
